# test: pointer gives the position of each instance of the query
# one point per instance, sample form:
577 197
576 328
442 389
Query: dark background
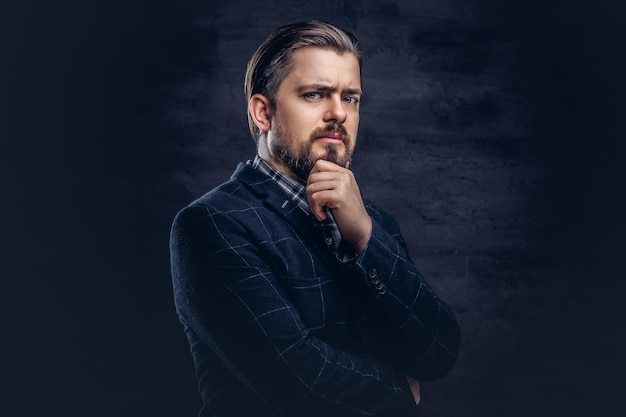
492 130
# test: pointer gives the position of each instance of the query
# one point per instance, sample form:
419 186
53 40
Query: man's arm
428 335
229 296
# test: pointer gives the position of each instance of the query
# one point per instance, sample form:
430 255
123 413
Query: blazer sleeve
227 294
426 335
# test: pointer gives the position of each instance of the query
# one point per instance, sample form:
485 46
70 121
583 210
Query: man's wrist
361 244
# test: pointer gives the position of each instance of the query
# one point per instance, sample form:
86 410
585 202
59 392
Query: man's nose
335 111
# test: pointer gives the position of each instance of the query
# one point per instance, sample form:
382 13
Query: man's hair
273 60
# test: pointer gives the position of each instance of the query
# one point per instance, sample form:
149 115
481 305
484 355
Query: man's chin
333 153
303 165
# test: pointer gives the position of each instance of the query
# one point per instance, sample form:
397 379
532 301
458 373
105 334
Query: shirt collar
294 190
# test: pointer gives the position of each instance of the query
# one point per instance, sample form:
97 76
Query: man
297 296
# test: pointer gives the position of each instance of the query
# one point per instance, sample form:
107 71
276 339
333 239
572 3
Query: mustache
333 128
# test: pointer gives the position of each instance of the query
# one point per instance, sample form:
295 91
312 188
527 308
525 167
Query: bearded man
297 296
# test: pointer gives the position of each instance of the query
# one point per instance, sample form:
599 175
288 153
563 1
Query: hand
415 389
335 187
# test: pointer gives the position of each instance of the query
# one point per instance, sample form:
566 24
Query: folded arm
226 292
427 335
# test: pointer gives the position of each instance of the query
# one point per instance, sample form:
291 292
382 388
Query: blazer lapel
276 200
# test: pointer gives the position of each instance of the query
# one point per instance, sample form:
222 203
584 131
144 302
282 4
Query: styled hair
273 60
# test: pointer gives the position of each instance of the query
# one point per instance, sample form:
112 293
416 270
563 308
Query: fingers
415 389
322 178
319 185
315 203
317 210
328 191
326 184
327 198
322 165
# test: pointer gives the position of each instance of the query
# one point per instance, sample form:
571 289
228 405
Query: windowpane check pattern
279 327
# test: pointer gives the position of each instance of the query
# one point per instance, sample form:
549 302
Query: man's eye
312 96
351 100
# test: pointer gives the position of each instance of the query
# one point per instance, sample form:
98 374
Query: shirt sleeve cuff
346 253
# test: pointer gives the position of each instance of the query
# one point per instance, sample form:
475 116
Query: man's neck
276 163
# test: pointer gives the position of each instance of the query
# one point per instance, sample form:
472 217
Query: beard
298 155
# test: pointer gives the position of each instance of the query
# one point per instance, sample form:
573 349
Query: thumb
318 211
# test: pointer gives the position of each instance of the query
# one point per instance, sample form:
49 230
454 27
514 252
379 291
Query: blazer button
373 273
328 241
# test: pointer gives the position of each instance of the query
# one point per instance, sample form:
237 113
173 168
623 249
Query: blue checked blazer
279 326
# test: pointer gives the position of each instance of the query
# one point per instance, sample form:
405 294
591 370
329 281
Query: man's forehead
313 65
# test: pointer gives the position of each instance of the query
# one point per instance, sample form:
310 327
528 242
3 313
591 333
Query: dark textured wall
492 130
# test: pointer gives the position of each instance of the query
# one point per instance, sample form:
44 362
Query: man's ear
260 110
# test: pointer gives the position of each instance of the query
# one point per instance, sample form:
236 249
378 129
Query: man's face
317 111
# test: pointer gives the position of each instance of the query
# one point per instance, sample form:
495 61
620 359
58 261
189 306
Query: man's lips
334 138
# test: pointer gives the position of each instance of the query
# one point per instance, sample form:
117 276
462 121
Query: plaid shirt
328 229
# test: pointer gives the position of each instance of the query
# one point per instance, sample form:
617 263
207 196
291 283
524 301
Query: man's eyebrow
327 88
